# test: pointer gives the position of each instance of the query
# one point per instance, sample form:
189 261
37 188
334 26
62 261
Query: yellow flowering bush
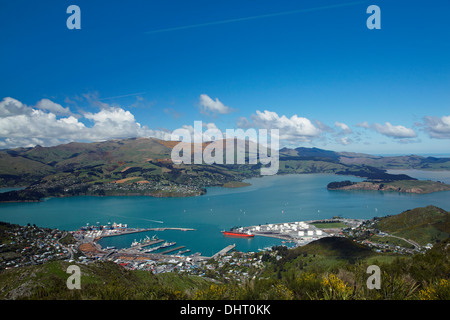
335 289
437 291
283 293
214 292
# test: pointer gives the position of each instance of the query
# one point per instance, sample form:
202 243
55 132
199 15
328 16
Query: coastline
414 186
364 185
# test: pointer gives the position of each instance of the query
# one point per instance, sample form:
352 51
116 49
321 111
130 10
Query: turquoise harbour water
270 199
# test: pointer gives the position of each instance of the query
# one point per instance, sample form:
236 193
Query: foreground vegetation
330 268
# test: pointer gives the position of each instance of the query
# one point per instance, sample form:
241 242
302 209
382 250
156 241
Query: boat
144 242
167 244
233 233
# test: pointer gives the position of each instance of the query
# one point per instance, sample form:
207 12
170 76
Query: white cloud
438 127
205 132
215 106
345 128
344 141
24 126
294 129
10 107
394 131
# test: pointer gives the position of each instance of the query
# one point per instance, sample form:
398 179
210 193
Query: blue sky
309 68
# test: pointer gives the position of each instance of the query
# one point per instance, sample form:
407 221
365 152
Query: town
28 245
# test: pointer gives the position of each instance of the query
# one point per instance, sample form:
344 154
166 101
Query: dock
104 234
224 251
123 233
140 246
174 249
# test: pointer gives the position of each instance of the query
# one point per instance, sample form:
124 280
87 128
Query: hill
99 281
143 166
407 186
328 268
118 167
423 225
362 159
320 255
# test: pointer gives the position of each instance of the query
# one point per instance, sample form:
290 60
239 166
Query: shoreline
235 185
409 186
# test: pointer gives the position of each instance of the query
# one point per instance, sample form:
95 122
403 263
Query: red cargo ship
237 234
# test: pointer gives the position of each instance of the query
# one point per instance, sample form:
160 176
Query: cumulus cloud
398 131
10 107
294 129
214 106
438 127
25 126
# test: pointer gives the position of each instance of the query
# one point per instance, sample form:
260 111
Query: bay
271 199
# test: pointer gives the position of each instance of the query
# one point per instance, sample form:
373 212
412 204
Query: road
411 242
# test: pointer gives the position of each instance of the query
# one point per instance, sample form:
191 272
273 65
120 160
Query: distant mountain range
143 166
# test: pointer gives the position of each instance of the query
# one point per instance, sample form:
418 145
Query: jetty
224 251
174 249
146 244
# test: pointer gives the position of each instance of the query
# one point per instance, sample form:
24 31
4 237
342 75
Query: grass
325 225
391 240
332 269
423 225
426 186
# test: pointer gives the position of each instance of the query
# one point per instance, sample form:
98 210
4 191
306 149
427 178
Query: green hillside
423 225
320 270
143 166
99 281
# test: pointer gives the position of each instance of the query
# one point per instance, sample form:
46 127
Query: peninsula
406 186
143 167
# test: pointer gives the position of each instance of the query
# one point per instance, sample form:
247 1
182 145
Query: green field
329 225
423 225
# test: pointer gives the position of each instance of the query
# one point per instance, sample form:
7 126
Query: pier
174 249
142 245
224 251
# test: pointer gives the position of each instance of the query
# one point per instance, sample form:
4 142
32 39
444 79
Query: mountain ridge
143 166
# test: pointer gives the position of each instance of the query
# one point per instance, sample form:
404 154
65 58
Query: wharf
130 231
174 249
124 232
224 251
149 243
